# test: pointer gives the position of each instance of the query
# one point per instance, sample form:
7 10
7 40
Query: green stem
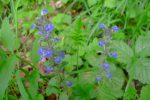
127 87
78 58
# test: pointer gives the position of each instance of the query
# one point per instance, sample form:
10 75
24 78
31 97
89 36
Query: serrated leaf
142 46
142 70
71 61
83 91
6 70
130 94
51 90
40 97
21 86
125 53
91 2
111 89
63 96
53 82
110 3
145 93
58 19
93 59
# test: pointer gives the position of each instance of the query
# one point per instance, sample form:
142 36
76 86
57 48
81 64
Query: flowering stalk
49 52
104 42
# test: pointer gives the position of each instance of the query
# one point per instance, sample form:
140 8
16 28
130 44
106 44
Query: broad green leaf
93 59
1 8
130 94
53 82
33 80
142 46
21 87
142 70
112 89
7 36
51 90
40 97
63 96
125 53
145 93
64 1
11 97
93 46
6 70
82 91
110 3
40 1
119 36
91 2
3 56
71 61
58 19
5 1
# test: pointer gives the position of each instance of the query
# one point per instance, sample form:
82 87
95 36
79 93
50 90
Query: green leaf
7 36
58 19
142 46
11 97
51 90
125 53
130 94
119 36
111 89
5 1
71 61
83 91
40 97
64 1
53 82
142 70
21 87
35 57
91 2
145 93
6 70
63 96
110 3
93 59
33 80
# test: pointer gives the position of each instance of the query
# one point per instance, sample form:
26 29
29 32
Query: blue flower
101 26
45 53
69 83
42 57
49 69
33 26
105 66
114 54
41 51
62 54
44 11
109 75
101 43
49 27
98 78
56 39
57 60
48 53
115 28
